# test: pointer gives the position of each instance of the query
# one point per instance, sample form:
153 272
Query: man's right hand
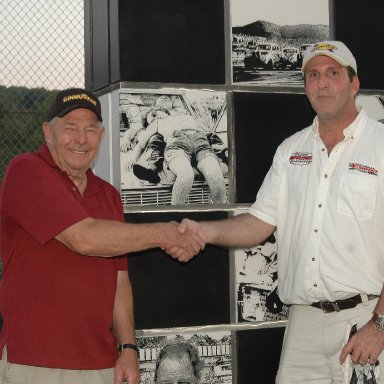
187 240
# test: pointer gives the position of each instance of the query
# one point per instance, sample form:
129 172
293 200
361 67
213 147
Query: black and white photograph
173 147
257 283
269 38
193 358
373 105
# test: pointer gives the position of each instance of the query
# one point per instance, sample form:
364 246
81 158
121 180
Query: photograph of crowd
195 358
173 147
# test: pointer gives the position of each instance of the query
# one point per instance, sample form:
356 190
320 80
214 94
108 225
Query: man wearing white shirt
324 199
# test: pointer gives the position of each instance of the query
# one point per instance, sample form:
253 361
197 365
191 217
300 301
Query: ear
355 85
102 133
47 130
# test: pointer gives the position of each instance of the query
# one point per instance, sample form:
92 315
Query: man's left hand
127 368
365 345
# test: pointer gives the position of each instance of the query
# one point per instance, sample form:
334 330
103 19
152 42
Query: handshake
184 240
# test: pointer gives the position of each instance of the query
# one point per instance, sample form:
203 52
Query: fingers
186 243
344 353
365 346
180 254
358 356
171 251
127 370
183 226
185 250
363 357
193 229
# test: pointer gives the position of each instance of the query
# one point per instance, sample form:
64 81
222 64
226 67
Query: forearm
379 309
123 317
112 238
242 231
127 365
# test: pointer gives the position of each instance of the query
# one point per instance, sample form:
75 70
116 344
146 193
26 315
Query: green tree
22 111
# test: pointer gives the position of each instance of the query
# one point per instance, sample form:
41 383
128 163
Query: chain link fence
41 52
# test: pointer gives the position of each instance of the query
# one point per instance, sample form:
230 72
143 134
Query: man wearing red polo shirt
65 295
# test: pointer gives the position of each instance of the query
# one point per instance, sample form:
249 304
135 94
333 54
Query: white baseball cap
336 50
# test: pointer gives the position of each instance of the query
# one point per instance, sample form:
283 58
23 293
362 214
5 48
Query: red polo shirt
56 304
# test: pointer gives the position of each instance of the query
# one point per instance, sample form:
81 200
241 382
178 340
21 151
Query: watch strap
121 347
378 320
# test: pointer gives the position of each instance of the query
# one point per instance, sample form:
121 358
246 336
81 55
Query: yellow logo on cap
79 96
324 47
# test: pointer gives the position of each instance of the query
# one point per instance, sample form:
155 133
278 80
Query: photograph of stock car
265 55
269 56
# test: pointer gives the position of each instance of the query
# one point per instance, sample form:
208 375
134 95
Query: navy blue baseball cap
74 98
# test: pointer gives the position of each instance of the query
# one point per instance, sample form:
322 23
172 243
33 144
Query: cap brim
73 107
342 63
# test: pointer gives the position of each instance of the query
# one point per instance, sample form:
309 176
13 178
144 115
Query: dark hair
351 73
177 349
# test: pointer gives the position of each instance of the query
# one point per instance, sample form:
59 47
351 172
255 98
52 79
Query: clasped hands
186 239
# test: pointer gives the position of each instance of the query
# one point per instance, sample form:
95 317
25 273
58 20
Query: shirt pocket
357 195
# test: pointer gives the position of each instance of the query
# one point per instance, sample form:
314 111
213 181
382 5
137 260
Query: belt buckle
326 306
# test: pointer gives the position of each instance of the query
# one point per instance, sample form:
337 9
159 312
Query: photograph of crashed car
173 147
269 38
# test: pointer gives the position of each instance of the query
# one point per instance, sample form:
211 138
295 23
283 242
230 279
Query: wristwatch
379 321
128 346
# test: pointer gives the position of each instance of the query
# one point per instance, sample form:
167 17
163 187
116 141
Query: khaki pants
24 374
313 341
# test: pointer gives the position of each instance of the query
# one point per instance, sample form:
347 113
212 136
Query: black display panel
99 76
262 122
168 293
359 24
258 355
172 41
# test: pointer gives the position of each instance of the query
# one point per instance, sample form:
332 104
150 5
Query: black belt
339 305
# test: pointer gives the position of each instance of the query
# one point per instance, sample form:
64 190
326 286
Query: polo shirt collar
93 182
350 132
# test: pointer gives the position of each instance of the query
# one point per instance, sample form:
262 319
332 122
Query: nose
80 137
323 81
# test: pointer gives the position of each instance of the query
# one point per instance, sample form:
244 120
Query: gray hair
178 348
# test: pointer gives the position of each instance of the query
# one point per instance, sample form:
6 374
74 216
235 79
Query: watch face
380 322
